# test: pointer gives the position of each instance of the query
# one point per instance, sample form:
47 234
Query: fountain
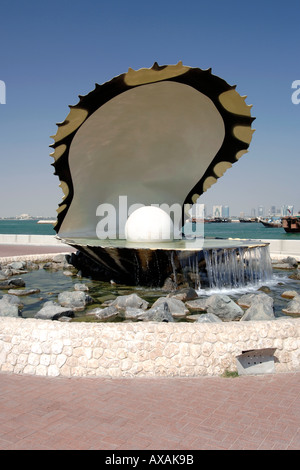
133 158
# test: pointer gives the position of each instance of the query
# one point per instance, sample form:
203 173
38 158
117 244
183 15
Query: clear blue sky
52 51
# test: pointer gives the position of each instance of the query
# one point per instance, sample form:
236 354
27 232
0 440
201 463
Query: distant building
225 212
287 210
217 212
261 211
24 217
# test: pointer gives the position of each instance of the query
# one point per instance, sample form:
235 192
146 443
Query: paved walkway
247 412
19 250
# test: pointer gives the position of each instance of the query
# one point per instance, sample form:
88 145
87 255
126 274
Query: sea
246 230
25 227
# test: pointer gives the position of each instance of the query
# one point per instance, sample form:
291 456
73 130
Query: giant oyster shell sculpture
158 135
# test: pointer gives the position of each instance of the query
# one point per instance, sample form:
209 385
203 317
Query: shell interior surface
153 136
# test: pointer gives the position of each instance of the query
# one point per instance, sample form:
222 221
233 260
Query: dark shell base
219 264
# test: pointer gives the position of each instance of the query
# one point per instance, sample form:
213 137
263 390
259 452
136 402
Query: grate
256 361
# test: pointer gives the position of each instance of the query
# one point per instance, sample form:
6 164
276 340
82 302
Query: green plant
230 373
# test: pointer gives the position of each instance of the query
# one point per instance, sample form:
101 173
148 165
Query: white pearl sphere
149 224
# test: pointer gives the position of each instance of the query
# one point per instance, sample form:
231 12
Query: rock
16 272
283 266
23 292
293 307
184 294
174 283
194 317
224 307
81 287
51 266
208 318
131 313
176 307
18 265
105 314
106 299
289 294
265 289
53 311
59 258
169 285
68 273
261 309
32 265
130 300
295 276
3 276
12 299
8 309
7 272
198 305
291 261
75 300
246 300
12 283
70 267
17 282
159 313
10 306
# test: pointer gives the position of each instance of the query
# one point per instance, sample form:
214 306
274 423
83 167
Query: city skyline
215 210
224 211
42 73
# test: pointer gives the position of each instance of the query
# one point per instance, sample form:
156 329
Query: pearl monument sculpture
133 156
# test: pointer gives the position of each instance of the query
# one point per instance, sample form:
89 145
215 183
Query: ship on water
272 222
291 223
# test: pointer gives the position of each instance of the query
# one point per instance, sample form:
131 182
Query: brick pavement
210 413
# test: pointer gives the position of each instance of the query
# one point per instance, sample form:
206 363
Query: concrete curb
21 239
282 248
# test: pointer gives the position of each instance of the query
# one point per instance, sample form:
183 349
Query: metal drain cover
256 361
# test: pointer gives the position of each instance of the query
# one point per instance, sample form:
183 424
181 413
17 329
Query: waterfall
174 268
238 267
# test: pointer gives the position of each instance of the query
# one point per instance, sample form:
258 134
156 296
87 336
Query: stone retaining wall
53 348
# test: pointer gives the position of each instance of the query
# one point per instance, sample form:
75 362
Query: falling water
173 267
238 267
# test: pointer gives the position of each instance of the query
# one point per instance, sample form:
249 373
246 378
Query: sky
52 51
